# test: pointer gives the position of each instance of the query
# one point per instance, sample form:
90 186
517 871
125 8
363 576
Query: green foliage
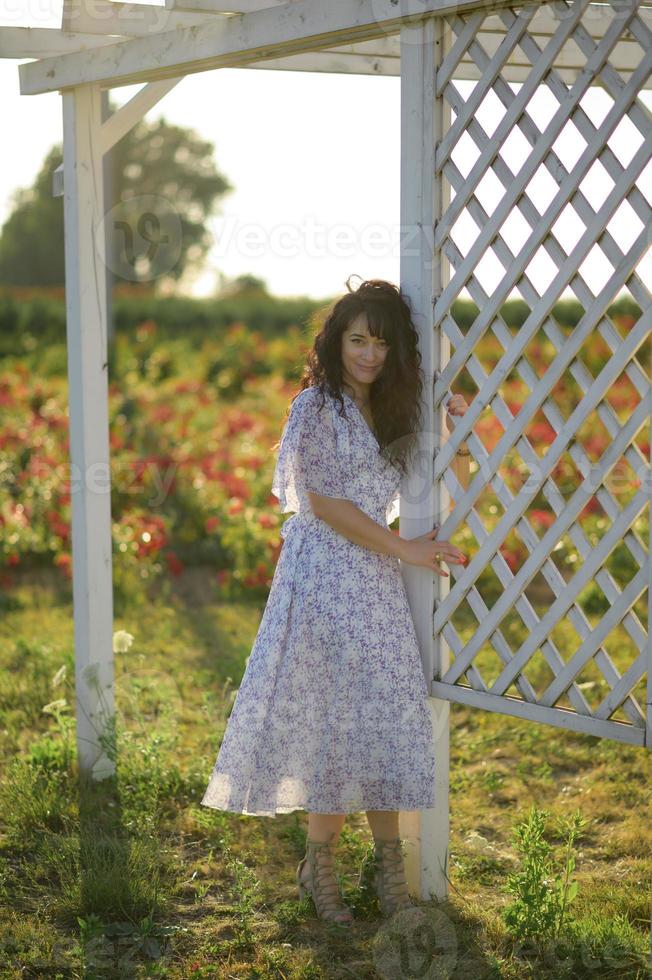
245 886
33 321
132 876
606 945
162 188
541 896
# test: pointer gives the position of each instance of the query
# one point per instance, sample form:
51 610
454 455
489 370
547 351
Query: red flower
150 536
61 529
162 413
541 432
239 422
64 562
591 507
147 328
235 486
185 387
511 557
175 565
544 518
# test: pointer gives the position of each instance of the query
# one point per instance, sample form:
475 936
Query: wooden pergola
567 47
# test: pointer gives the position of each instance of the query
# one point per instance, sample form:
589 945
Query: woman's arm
350 521
347 519
462 468
456 405
461 465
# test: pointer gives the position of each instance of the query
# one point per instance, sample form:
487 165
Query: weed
542 897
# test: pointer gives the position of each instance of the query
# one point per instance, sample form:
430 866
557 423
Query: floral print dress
332 712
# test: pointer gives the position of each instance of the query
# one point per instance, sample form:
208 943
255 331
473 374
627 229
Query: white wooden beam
377 56
325 62
293 28
46 42
121 121
86 329
224 6
346 59
559 717
426 831
135 19
125 19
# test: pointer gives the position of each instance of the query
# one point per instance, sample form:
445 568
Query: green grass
132 877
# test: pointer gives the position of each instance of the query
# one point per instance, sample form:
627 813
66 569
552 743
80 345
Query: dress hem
275 809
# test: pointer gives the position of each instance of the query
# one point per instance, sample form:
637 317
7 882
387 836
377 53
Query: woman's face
363 356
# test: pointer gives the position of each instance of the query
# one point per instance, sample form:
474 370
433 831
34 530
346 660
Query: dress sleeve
307 455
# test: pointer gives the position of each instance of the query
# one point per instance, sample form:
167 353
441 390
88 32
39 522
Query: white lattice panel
558 539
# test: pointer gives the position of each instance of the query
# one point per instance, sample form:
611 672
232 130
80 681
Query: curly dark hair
395 394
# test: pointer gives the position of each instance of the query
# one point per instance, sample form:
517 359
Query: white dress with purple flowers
332 712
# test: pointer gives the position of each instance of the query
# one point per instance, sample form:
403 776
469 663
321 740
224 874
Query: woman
332 712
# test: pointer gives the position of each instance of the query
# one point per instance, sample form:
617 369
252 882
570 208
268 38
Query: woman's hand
456 405
422 551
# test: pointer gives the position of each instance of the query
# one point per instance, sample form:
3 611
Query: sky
314 160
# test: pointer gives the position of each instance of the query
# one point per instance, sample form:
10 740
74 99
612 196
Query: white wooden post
425 832
90 484
107 176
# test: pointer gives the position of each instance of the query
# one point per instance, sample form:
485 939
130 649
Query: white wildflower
479 843
122 641
54 706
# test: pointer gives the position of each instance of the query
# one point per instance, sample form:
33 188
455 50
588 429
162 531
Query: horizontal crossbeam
559 717
224 42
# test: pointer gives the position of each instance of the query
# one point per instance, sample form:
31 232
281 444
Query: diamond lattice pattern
552 606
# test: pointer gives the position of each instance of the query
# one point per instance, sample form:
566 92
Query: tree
164 185
245 284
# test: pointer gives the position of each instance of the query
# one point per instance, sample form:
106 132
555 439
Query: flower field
190 465
191 430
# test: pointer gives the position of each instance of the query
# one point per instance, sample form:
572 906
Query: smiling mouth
363 368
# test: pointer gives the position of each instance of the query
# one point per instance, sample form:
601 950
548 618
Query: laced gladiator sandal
389 878
319 882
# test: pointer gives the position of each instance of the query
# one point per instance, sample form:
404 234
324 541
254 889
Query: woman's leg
391 884
322 826
383 823
325 828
